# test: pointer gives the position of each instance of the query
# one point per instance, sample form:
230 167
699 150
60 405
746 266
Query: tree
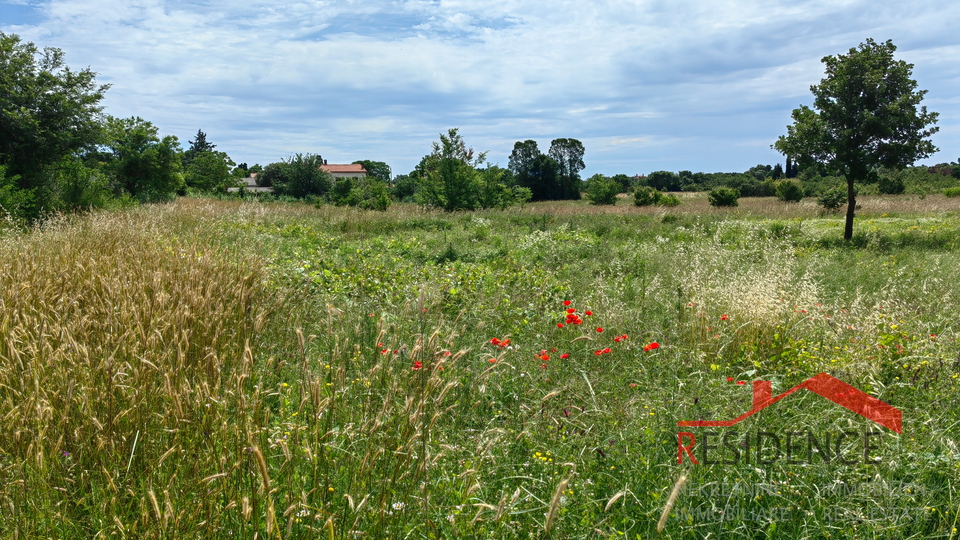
450 178
376 169
210 171
865 116
47 113
522 156
602 190
569 154
197 146
663 181
623 180
777 173
535 171
301 177
140 162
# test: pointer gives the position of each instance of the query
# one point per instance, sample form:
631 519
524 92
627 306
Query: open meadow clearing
216 369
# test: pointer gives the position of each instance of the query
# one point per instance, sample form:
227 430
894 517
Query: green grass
214 368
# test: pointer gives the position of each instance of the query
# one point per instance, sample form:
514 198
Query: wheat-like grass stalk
671 500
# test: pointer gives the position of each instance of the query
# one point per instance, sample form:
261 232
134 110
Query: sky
645 85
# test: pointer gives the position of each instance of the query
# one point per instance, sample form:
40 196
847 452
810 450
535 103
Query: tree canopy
535 171
48 112
866 115
569 154
141 163
377 169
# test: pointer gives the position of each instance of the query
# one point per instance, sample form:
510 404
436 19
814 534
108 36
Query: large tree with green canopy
865 115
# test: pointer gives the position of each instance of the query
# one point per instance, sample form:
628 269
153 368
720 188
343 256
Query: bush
669 200
302 177
789 191
724 196
833 198
952 192
603 191
891 185
365 193
270 175
646 196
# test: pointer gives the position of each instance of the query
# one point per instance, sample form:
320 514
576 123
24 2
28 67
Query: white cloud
696 83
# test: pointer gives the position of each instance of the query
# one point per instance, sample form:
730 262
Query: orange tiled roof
351 168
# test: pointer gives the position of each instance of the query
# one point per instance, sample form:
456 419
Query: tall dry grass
116 338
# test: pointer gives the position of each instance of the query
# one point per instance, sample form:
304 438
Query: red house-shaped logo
825 386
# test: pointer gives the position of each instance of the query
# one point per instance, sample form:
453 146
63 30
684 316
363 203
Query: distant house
250 185
353 170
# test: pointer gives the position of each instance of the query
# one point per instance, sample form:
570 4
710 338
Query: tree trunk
851 206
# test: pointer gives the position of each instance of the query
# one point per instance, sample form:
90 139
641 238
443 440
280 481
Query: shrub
646 196
603 191
789 191
669 200
302 177
366 193
724 196
891 185
833 198
952 192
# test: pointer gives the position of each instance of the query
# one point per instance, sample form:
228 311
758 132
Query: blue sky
644 84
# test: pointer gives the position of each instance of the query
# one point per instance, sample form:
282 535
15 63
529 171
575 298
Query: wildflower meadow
240 369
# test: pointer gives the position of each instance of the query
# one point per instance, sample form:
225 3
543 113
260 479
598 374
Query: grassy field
211 369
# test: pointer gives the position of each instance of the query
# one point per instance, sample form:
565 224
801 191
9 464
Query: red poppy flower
492 360
571 310
597 353
559 325
495 341
588 313
741 383
599 329
651 346
724 317
567 302
605 351
729 379
417 365
564 356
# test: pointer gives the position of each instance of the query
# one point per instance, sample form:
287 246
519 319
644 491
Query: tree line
60 152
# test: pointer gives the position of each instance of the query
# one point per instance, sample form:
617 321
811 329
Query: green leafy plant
724 196
646 196
603 191
833 198
790 191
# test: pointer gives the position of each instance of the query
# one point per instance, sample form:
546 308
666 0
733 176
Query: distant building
352 170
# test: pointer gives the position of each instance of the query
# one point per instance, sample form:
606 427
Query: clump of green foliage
603 191
891 184
648 196
366 193
952 192
724 196
790 190
833 198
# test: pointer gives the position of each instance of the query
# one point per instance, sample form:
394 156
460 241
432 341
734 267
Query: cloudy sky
703 85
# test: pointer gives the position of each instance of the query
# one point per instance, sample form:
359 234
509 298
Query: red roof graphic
825 386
